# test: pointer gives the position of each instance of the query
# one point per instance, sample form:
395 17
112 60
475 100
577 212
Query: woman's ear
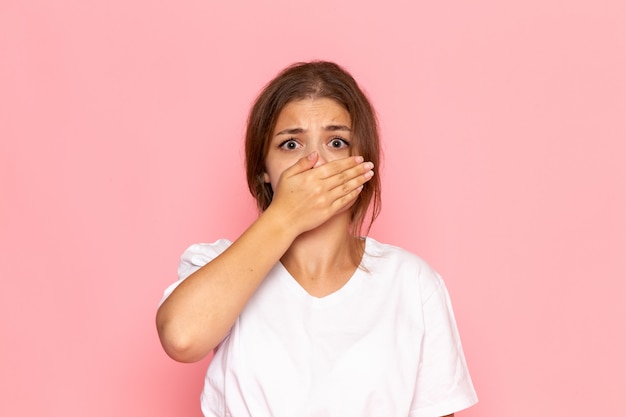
266 178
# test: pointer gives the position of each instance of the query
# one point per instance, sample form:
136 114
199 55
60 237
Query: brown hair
317 79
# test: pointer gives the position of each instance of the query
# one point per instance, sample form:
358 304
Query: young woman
308 318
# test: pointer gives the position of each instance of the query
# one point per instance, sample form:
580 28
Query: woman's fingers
341 178
303 164
349 190
354 180
310 196
340 167
336 178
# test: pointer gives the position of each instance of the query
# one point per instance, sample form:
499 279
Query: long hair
317 79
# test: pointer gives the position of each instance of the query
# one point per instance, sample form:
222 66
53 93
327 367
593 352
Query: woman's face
304 126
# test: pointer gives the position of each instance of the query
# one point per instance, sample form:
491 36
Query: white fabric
384 345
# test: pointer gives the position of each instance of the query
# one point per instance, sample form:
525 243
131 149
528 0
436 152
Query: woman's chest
302 356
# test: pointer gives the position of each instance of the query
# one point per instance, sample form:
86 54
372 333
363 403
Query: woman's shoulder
200 254
402 264
194 258
207 249
392 253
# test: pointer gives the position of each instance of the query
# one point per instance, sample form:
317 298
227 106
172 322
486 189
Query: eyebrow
329 128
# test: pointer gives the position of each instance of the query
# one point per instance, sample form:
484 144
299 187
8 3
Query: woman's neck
322 260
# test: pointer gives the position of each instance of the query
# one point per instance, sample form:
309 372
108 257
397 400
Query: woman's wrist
279 225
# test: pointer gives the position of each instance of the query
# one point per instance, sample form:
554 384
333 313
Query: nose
323 157
321 160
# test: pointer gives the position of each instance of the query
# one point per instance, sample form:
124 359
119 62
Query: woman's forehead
306 110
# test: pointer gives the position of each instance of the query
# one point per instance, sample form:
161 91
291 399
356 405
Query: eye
338 143
289 145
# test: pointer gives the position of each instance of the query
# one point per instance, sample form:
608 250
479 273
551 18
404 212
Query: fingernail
359 159
369 165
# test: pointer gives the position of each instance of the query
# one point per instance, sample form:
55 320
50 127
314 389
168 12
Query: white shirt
384 345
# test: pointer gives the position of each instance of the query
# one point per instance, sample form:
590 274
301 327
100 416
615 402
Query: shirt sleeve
194 258
443 384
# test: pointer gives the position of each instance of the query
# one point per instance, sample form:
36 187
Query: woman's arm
201 310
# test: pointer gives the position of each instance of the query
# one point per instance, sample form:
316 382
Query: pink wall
504 127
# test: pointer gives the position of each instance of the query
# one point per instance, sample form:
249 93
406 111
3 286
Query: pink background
504 128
